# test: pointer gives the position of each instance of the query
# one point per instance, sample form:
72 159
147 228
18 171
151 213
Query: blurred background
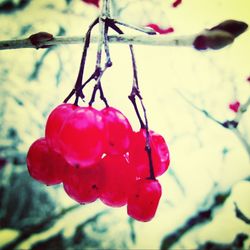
205 201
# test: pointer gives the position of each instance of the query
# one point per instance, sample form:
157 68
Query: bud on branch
220 35
215 38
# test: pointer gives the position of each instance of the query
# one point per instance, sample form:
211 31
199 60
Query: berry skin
117 178
83 184
94 2
176 3
82 138
44 164
55 122
143 200
118 130
234 106
138 156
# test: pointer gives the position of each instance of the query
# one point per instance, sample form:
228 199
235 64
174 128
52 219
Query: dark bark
201 217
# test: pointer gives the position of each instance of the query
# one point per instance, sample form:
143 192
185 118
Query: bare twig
79 79
236 244
135 92
200 217
242 139
103 42
242 110
157 40
232 125
239 214
208 115
26 233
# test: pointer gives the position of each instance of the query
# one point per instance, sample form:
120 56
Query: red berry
118 131
117 178
160 30
95 2
144 199
234 106
83 184
138 156
44 164
54 124
176 3
82 137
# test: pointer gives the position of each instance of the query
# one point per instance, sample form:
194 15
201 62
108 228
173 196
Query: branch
200 217
242 110
27 232
215 38
237 244
232 125
239 214
139 39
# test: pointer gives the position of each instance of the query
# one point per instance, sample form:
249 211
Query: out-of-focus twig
236 244
26 233
239 214
232 125
199 218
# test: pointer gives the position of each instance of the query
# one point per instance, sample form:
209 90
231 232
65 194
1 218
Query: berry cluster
96 154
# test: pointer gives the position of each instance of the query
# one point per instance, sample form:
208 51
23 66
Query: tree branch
27 232
158 40
200 217
232 125
215 38
239 214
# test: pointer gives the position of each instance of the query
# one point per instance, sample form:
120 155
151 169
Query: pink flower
160 30
234 106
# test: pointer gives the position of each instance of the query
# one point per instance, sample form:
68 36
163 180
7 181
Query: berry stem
103 42
106 46
135 88
133 101
77 89
136 92
103 38
98 86
146 30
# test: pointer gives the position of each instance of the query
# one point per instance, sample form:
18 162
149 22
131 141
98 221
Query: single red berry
118 131
143 200
138 156
44 164
234 106
55 122
248 79
82 137
158 29
83 184
94 2
176 3
117 179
